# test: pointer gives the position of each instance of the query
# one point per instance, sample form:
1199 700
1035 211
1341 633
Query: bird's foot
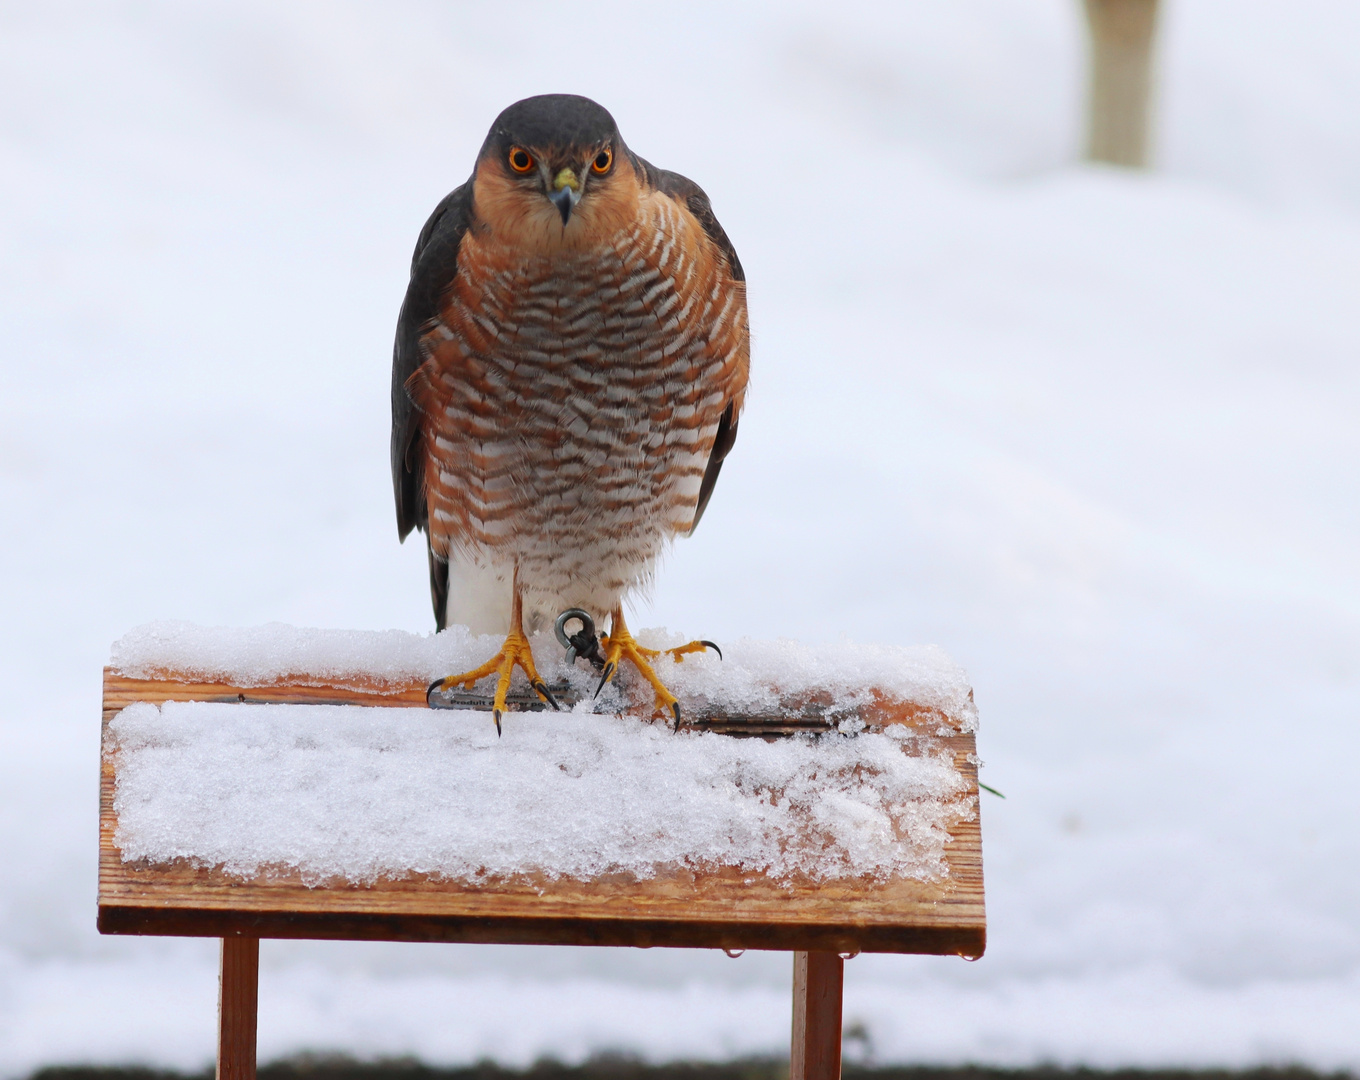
515 653
619 645
678 654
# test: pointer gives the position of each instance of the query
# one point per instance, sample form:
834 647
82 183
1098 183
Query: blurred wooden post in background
1121 80
237 1006
818 979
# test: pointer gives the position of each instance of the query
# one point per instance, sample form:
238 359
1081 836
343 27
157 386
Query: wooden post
818 979
1121 80
237 1008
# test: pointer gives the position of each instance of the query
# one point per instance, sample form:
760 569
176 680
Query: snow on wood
356 793
752 677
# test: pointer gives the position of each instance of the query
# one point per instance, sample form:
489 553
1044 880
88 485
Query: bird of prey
570 365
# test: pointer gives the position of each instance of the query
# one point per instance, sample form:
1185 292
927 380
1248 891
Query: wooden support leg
1121 80
818 978
237 1007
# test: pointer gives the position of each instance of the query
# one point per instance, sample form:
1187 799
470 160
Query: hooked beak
566 193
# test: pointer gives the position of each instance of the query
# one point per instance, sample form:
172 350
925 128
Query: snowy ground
1094 434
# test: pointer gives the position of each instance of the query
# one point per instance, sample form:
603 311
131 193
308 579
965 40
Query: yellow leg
620 645
514 653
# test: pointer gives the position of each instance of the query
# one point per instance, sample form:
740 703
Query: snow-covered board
239 816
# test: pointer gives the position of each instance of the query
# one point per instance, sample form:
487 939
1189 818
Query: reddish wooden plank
730 909
818 984
238 1008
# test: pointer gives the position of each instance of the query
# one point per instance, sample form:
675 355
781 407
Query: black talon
496 715
675 708
710 645
608 671
438 684
547 696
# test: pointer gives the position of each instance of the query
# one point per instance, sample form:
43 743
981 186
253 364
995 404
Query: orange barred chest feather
571 401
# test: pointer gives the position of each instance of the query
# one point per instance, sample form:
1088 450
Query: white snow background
1095 434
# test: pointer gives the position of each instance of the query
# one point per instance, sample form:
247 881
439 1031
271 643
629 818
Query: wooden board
731 910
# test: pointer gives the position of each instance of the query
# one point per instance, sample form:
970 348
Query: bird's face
561 177
554 173
548 198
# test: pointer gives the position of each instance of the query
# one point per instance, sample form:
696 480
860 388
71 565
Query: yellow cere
566 178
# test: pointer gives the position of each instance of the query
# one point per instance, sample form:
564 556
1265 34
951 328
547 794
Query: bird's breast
579 389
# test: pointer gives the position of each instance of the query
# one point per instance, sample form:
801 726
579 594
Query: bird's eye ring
521 160
603 160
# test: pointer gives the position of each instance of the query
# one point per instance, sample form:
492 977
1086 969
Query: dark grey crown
557 121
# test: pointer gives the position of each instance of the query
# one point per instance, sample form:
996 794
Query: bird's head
553 171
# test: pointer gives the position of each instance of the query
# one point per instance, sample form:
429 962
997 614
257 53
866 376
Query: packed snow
1093 433
356 794
750 677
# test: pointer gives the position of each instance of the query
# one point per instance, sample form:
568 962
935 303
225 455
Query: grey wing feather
722 446
433 267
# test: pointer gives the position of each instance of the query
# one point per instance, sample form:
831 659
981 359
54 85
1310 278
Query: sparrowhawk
570 364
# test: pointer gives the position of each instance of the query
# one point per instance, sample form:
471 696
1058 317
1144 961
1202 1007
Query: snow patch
357 793
753 676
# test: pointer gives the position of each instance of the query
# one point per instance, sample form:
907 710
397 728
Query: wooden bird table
821 921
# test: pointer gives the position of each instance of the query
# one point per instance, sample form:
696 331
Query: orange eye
521 160
603 160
